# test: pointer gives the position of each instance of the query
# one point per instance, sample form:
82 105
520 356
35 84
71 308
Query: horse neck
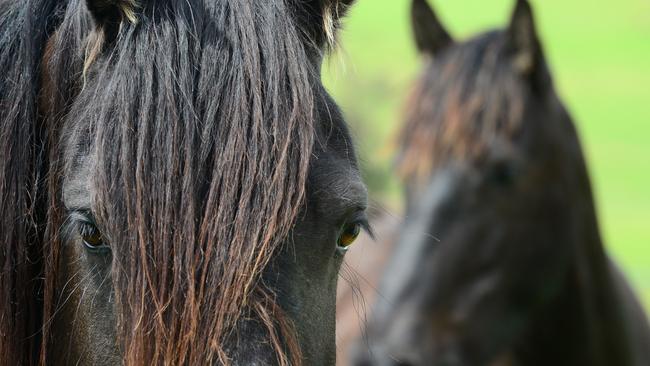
584 323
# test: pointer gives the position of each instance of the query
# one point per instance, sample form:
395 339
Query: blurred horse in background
500 260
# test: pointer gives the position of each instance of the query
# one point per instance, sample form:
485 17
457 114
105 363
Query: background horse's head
177 186
498 200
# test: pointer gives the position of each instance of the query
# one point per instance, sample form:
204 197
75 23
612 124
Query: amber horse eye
92 237
349 234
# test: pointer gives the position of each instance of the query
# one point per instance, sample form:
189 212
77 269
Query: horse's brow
352 194
76 195
76 189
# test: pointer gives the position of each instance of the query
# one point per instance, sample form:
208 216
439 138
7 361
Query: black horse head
177 186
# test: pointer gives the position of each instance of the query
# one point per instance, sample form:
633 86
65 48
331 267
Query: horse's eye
92 237
349 234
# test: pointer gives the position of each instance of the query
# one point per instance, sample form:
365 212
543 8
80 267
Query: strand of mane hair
24 30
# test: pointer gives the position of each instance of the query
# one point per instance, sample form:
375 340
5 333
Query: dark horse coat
500 259
176 185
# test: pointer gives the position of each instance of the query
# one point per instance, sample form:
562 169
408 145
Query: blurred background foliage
599 53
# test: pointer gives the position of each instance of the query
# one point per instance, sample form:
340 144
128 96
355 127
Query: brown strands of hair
202 124
464 101
24 28
200 119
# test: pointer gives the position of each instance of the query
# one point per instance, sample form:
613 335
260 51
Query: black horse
500 260
176 186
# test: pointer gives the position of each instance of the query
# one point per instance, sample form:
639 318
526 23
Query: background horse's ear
430 35
524 43
319 19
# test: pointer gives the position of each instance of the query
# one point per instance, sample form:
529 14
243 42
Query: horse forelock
215 141
465 101
201 121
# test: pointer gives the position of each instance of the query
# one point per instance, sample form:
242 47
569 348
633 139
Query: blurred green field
599 52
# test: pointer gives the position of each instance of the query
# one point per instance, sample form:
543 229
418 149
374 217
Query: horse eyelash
79 222
362 220
368 228
86 228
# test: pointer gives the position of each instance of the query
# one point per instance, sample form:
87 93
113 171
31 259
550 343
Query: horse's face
303 275
489 225
174 245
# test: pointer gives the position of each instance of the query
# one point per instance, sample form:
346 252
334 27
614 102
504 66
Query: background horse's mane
461 103
200 113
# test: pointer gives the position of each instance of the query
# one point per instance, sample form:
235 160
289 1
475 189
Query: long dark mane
199 116
24 27
455 111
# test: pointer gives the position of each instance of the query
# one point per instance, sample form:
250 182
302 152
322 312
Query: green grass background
599 52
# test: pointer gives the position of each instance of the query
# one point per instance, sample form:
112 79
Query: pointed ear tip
421 11
417 4
523 13
523 6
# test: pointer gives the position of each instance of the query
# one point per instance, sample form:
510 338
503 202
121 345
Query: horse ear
109 14
527 52
430 35
320 19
